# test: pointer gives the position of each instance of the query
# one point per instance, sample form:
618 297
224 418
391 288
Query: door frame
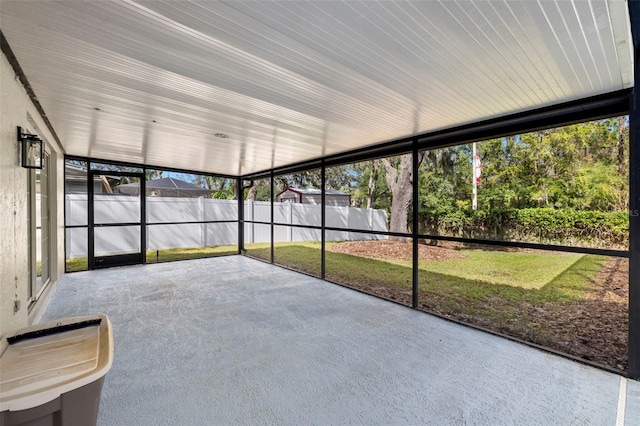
98 262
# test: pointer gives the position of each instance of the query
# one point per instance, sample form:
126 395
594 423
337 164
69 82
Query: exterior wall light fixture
32 150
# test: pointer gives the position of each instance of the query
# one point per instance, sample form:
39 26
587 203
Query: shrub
540 225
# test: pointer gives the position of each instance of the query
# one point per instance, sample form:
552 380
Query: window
39 229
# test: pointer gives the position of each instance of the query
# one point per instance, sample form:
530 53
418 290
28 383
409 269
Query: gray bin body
78 407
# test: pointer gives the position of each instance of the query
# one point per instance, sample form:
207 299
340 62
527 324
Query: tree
304 179
153 174
260 190
399 178
223 188
340 178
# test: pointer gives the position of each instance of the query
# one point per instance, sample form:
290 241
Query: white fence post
370 228
147 234
253 226
290 221
203 226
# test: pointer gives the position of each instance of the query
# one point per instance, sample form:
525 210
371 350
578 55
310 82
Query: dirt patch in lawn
392 250
594 328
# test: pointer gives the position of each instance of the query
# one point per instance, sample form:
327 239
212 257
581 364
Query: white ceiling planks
154 81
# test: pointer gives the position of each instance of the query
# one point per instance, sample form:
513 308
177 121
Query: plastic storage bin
51 374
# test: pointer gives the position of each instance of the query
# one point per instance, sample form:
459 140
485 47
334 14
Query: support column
272 228
414 225
322 219
634 200
240 216
91 264
143 215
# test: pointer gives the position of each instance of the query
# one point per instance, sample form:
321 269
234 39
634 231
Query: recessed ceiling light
221 135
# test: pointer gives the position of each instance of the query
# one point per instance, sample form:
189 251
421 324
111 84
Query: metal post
143 216
64 206
634 200
240 216
322 219
90 221
414 227
272 227
474 200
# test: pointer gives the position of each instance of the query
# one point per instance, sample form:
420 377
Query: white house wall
330 200
16 108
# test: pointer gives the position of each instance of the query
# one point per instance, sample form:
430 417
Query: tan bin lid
37 370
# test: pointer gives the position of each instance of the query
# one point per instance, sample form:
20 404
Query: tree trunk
106 184
252 193
234 184
400 181
371 188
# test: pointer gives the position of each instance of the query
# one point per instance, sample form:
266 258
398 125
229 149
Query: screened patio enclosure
250 97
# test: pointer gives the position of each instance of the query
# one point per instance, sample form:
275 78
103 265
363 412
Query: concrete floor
231 340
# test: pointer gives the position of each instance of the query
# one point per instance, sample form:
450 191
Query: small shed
166 187
314 196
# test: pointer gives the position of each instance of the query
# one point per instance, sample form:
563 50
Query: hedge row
539 225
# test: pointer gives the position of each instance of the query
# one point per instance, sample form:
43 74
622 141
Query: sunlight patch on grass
526 270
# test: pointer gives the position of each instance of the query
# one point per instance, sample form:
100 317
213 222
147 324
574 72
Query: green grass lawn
302 256
481 276
259 250
77 264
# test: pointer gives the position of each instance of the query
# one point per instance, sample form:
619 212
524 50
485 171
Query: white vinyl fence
165 212
310 214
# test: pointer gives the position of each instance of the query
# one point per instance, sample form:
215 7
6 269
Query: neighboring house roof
74 171
76 176
312 191
167 184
